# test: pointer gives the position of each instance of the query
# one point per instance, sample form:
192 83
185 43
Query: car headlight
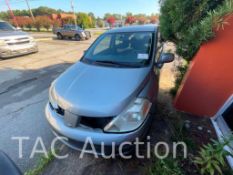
52 97
2 43
131 119
31 39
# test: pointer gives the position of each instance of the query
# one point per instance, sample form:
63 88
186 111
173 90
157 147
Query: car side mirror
165 58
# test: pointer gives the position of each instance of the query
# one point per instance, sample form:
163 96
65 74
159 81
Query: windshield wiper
115 63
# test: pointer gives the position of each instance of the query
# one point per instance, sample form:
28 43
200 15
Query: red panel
209 81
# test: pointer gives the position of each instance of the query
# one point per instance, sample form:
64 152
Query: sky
98 7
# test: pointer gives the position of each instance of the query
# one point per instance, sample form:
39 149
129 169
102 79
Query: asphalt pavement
24 83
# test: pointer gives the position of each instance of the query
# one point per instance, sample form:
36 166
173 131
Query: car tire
77 37
59 36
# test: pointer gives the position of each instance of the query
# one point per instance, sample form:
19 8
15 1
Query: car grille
59 111
88 34
90 122
18 43
95 123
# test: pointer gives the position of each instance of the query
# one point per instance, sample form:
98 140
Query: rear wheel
77 37
59 36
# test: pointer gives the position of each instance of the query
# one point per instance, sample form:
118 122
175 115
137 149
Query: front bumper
76 137
18 50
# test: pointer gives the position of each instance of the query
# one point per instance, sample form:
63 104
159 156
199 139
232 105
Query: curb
43 39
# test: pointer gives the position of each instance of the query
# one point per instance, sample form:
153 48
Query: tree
29 23
4 16
38 23
21 21
107 15
188 24
47 23
68 20
57 23
40 11
93 19
84 20
100 23
111 20
130 20
117 16
142 20
129 14
178 23
154 19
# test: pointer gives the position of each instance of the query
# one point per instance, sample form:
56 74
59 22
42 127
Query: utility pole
11 12
33 18
72 7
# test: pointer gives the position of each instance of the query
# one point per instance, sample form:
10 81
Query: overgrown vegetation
211 159
201 159
42 164
167 166
189 23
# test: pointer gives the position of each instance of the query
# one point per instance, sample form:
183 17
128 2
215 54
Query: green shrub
181 70
183 22
190 23
211 158
84 21
168 166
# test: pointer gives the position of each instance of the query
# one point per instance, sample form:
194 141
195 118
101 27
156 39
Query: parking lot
24 87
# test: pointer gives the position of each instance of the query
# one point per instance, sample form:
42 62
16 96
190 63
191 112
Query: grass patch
98 33
42 164
35 30
168 166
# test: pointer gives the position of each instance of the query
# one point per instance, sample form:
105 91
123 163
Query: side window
105 44
119 40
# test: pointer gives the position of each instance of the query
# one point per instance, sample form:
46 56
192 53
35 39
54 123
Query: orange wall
209 81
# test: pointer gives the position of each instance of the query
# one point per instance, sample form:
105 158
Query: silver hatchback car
108 95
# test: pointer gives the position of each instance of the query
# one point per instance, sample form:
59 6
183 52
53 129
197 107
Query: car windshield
127 49
4 26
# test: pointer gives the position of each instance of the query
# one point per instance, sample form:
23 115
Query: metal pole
72 7
33 18
11 12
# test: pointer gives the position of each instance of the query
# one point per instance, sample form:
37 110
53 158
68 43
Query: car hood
15 33
97 91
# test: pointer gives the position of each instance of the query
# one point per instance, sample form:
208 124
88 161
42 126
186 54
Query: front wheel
59 36
77 38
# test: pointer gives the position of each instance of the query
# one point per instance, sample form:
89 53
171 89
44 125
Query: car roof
137 28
